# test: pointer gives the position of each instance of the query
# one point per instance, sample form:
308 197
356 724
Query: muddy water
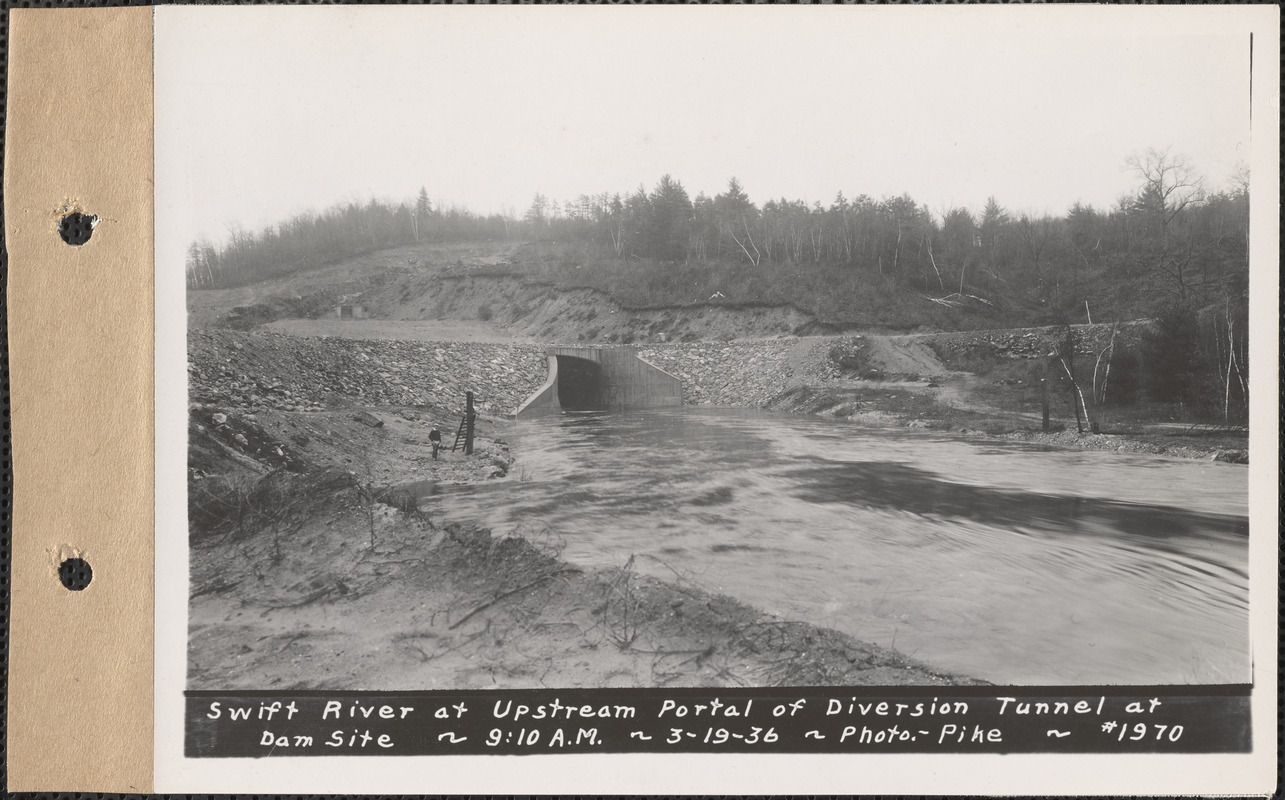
1007 562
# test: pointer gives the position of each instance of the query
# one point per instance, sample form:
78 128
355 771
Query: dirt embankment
482 283
335 590
548 314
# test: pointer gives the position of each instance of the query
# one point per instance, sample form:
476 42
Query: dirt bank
482 283
544 312
345 592
396 450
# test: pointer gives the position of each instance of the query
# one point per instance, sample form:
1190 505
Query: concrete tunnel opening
580 384
601 379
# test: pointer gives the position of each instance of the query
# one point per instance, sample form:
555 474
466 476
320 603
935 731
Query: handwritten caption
428 723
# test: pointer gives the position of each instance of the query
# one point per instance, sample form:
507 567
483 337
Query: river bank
333 585
932 405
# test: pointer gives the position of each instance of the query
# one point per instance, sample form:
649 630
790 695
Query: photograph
525 352
656 400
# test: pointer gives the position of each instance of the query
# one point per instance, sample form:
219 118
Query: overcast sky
263 112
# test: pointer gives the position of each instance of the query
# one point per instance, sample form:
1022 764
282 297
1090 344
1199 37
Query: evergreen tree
669 220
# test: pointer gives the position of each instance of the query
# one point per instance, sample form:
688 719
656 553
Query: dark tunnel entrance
580 384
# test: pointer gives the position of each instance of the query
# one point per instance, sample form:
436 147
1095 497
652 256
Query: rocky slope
254 370
746 374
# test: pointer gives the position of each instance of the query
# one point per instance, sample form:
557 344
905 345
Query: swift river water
1013 563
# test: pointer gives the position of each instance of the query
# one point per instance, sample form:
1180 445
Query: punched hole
75 574
76 228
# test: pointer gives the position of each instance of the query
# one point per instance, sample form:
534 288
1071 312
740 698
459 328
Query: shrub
1124 384
1172 362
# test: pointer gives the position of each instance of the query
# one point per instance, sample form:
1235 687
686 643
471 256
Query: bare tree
1103 365
1066 357
1170 185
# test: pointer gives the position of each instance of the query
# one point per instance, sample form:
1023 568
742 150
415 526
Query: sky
264 112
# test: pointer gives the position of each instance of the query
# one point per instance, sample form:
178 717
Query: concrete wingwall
630 382
621 380
546 397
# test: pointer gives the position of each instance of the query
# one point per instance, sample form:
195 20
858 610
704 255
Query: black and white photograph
731 349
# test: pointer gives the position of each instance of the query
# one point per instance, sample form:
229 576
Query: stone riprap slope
256 370
245 370
746 374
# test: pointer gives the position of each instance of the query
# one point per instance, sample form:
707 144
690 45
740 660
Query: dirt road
428 330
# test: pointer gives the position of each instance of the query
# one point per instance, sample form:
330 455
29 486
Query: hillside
523 296
532 291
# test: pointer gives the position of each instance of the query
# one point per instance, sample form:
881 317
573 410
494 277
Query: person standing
435 437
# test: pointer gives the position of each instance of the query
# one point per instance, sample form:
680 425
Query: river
1013 563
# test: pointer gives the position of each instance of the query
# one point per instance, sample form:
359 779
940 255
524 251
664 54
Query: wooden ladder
461 434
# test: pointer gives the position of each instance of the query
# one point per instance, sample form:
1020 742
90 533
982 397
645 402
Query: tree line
1170 242
341 232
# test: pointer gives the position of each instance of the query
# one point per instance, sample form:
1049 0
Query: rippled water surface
1003 561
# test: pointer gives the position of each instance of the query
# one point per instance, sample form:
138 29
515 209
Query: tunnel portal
580 384
602 379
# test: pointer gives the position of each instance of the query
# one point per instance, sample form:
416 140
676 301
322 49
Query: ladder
465 433
461 434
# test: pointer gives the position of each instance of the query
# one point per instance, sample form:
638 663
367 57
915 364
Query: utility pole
468 423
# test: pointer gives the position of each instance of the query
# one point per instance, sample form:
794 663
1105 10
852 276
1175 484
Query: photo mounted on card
715 399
